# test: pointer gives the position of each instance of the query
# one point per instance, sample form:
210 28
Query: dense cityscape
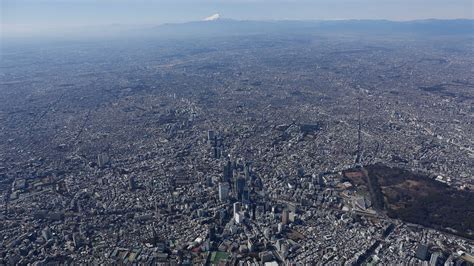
268 149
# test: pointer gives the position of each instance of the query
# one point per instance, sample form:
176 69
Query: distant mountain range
238 27
215 26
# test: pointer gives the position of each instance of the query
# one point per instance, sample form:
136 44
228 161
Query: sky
39 16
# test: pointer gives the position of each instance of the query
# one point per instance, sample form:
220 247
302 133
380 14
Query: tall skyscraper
236 207
223 191
247 170
210 135
285 216
227 175
102 160
131 182
239 187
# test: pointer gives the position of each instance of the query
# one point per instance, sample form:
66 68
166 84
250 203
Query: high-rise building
250 245
239 187
246 195
102 160
291 207
435 259
285 217
236 207
253 209
46 233
239 217
209 181
247 170
421 252
227 172
217 152
210 135
267 233
211 235
292 217
131 182
223 191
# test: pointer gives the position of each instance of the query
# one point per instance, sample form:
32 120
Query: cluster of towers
235 181
217 144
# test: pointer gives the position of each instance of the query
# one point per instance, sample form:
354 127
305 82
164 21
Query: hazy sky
27 16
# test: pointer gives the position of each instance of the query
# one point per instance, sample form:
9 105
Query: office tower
253 208
102 160
212 233
216 152
291 207
131 183
236 207
246 195
239 217
223 191
247 170
209 181
46 233
285 217
227 172
292 217
435 258
239 187
210 135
